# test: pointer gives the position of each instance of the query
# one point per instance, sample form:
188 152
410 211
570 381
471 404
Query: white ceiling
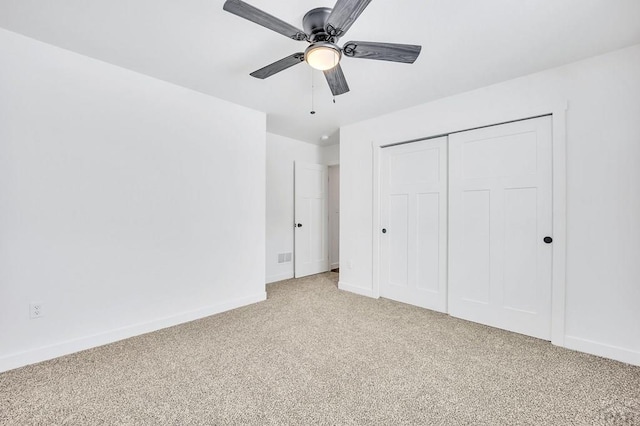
467 44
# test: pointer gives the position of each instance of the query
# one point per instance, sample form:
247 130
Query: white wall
330 154
603 187
127 204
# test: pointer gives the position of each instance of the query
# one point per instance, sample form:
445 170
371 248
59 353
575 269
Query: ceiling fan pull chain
313 111
334 65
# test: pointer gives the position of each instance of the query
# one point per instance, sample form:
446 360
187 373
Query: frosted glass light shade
322 56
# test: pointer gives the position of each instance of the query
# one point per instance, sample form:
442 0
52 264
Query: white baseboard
603 350
334 266
44 353
355 289
279 277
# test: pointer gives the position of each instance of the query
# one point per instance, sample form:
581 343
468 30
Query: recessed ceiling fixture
322 29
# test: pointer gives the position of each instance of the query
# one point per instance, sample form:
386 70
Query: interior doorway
334 218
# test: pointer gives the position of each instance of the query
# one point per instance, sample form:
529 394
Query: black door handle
547 240
299 225
384 230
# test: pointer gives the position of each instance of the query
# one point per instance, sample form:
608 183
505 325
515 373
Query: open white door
413 217
500 226
311 219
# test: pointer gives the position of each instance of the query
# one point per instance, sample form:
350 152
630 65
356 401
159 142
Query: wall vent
284 257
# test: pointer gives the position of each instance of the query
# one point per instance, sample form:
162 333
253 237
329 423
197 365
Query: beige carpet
312 354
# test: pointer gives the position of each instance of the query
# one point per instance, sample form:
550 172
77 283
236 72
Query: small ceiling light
324 137
322 56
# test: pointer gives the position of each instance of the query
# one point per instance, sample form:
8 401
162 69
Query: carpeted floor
312 354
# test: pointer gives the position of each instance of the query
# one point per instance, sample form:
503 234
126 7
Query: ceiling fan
323 27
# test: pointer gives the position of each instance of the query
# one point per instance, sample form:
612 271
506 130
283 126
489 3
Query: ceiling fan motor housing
314 22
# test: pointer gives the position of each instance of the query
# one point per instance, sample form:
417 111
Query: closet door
500 218
413 217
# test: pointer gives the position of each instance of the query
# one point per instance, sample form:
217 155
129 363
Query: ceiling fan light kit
322 55
323 27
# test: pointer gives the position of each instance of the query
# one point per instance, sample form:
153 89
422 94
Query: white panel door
500 213
311 251
413 217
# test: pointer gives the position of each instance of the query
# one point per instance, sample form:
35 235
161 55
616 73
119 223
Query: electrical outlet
350 264
36 310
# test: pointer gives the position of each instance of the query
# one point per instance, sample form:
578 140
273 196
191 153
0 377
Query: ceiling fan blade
343 15
253 14
406 53
336 80
278 66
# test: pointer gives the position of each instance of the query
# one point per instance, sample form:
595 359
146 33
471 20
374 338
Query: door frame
330 193
558 113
